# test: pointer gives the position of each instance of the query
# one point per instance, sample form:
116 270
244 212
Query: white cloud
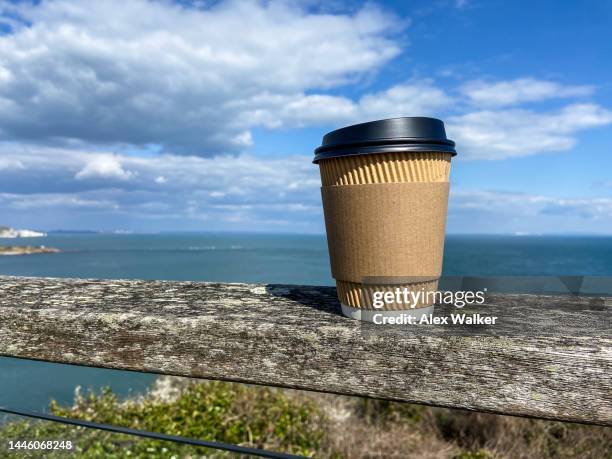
141 72
499 134
513 92
490 211
37 201
244 175
244 192
255 189
10 164
202 193
91 78
420 97
523 204
494 133
104 167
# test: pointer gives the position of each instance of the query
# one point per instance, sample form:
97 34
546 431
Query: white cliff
6 232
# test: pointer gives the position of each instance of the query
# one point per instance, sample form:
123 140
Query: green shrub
383 411
216 411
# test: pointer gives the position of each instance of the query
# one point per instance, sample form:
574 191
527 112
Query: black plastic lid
410 134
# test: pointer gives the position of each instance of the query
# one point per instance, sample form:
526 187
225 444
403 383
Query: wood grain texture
548 357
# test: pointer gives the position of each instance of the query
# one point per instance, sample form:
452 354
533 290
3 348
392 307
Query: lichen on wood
548 356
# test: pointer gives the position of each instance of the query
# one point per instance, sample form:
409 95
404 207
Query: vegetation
25 249
300 423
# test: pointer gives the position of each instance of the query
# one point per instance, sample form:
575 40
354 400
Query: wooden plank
548 356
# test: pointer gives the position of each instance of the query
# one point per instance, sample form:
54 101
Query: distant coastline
6 232
11 233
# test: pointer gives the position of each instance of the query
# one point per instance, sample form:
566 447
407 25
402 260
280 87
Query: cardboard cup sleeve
390 230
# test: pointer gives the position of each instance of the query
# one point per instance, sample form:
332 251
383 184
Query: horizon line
313 233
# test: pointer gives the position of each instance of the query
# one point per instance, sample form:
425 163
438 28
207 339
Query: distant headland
8 232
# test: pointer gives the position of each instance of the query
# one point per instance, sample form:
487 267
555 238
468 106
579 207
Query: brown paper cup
385 197
404 254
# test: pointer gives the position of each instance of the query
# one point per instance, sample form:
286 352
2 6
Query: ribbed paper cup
385 197
393 167
385 168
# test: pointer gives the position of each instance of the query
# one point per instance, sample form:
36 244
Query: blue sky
152 116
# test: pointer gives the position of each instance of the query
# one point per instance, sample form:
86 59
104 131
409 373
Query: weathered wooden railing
535 362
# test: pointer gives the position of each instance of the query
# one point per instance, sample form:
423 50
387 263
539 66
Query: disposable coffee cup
385 191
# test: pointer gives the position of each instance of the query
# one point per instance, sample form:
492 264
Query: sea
241 257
